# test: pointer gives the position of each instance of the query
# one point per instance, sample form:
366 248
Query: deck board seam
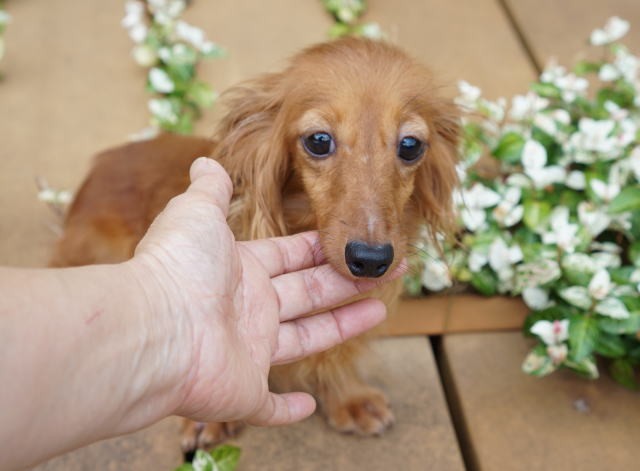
520 35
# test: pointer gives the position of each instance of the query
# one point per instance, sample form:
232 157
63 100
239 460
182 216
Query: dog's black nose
366 260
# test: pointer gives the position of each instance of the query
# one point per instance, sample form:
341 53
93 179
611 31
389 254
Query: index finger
281 255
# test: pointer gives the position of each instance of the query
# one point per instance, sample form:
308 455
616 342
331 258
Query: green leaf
226 457
627 200
586 67
203 461
583 335
184 467
201 94
631 325
610 346
621 275
620 96
485 282
621 370
546 90
538 363
536 213
510 147
586 367
634 253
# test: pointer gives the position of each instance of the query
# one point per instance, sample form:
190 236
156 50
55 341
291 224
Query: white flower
508 213
160 81
576 180
474 201
534 155
468 93
634 162
546 123
614 29
436 276
608 73
138 33
562 232
5 17
571 86
536 298
594 219
605 191
51 196
627 64
534 159
523 106
371 30
145 134
551 333
600 285
134 14
558 353
144 55
519 180
191 34
502 257
163 110
595 135
478 259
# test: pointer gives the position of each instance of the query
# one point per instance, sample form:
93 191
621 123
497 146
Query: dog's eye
319 144
410 149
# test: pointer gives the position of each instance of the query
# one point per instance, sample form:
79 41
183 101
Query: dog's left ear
253 149
436 178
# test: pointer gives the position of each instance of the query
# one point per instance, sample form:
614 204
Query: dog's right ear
252 147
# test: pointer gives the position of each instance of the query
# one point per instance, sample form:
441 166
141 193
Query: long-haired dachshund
351 139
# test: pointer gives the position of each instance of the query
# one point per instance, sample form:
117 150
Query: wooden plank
156 448
422 437
513 421
442 314
561 29
465 39
71 90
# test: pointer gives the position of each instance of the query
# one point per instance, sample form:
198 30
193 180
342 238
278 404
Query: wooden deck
70 90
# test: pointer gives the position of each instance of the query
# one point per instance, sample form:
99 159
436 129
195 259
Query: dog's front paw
367 413
198 435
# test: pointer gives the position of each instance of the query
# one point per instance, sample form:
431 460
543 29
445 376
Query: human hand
236 306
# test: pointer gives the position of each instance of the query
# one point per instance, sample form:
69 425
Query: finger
318 288
281 409
285 254
210 178
302 337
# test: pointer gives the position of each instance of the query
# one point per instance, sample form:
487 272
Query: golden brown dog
351 139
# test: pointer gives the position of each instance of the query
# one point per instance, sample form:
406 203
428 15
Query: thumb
209 178
281 409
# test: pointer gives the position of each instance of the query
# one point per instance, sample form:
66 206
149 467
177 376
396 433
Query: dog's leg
199 435
349 403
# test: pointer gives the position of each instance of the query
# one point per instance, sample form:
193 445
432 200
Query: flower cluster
550 209
221 458
346 14
171 49
5 18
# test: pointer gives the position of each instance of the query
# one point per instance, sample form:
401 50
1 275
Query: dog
352 139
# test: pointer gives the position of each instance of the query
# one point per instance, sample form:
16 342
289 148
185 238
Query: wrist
168 355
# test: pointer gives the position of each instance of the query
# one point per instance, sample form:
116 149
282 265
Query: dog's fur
368 96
